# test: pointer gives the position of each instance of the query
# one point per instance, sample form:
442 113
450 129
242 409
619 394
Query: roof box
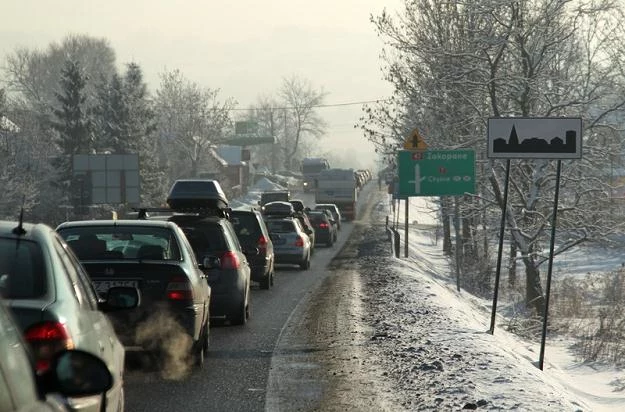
196 194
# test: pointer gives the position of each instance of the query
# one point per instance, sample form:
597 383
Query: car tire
240 316
200 349
265 283
305 265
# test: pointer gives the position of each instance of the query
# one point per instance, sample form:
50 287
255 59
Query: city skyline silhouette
536 144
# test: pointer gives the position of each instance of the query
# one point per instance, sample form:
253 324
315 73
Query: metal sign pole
406 229
551 249
458 240
499 253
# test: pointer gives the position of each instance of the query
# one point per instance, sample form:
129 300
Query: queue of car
82 293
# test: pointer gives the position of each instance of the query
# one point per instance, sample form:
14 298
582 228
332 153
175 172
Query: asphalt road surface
236 373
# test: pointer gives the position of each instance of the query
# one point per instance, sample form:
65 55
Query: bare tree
455 64
34 74
191 118
269 117
300 115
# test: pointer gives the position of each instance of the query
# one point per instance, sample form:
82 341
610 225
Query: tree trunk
446 226
512 266
534 298
467 239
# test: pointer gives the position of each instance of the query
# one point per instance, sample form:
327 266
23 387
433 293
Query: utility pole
274 146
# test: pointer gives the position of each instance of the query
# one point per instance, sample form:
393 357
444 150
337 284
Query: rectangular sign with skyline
535 138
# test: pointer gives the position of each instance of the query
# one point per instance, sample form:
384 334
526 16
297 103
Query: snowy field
564 383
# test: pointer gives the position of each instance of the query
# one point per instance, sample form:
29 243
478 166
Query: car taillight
262 242
299 241
323 225
179 288
46 339
230 260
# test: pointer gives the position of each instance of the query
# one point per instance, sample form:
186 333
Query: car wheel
305 264
265 283
239 317
201 347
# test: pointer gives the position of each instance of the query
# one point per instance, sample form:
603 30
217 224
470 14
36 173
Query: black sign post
533 138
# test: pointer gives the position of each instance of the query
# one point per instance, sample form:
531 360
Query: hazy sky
244 48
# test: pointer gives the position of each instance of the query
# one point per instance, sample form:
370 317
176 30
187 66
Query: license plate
102 286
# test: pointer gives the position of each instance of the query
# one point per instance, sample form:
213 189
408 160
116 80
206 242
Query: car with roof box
282 209
201 211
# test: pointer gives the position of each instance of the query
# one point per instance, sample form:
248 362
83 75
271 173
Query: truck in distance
311 167
338 186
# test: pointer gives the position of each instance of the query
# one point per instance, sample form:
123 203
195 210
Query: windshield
311 169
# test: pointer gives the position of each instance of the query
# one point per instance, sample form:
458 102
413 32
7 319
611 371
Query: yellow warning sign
414 141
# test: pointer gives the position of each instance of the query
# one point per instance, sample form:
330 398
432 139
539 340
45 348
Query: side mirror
210 262
121 297
77 373
309 232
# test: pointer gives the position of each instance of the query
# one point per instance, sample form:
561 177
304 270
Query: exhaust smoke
162 336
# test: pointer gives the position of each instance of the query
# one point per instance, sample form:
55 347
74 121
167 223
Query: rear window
206 239
317 218
22 269
246 226
122 242
280 226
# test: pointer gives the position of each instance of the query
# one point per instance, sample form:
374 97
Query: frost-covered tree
293 119
454 64
141 135
269 118
300 102
191 118
34 73
32 82
73 124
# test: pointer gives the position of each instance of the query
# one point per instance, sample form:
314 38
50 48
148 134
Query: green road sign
436 172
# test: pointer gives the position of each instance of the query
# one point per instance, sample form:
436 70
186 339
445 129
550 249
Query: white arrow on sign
417 179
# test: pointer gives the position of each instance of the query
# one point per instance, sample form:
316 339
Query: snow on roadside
433 341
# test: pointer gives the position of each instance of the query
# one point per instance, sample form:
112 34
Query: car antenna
19 230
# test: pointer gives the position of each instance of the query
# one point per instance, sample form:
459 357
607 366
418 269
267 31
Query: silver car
291 244
56 307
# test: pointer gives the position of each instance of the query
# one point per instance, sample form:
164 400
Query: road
235 375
